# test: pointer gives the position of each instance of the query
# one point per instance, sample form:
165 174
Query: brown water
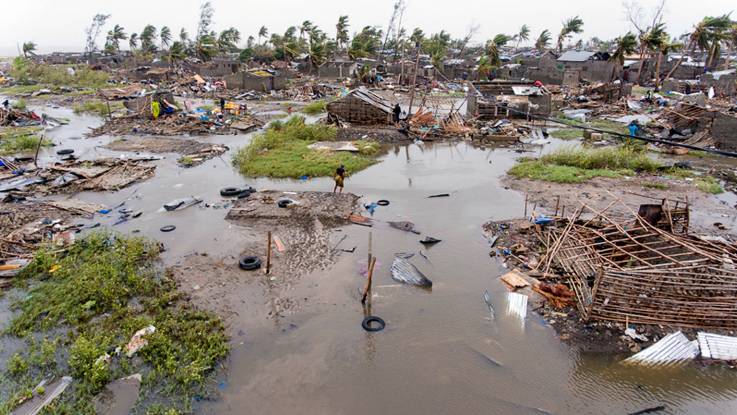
433 356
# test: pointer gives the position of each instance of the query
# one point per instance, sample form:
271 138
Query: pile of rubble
75 176
646 268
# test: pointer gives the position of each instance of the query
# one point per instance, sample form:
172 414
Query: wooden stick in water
369 278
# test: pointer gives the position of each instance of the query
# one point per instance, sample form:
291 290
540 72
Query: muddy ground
601 192
194 152
305 239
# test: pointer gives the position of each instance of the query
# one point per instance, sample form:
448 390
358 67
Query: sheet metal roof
576 56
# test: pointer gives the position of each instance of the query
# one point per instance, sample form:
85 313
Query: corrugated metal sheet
517 305
575 56
372 99
715 346
672 349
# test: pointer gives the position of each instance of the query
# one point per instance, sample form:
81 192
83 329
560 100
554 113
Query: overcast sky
59 24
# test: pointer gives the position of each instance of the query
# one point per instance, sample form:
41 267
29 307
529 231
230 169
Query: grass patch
93 297
26 72
577 164
567 133
281 151
709 184
97 107
315 107
20 105
655 185
15 140
186 161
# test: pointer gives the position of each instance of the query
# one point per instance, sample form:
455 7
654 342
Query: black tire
244 194
250 263
167 228
230 191
65 151
284 203
366 324
382 202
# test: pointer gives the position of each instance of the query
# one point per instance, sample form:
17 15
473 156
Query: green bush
27 72
316 107
282 151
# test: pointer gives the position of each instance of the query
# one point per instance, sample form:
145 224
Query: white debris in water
715 346
672 349
517 305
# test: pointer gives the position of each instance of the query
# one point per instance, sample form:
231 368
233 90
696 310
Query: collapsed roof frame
647 270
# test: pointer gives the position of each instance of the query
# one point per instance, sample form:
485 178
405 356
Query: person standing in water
339 178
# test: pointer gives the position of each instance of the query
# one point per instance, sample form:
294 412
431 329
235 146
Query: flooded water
440 352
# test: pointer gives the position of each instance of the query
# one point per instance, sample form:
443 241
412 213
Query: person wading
339 178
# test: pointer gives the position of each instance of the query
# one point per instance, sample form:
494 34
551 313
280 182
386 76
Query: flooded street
441 352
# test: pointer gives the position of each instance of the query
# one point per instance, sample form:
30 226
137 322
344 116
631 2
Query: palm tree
183 36
228 40
165 37
522 36
485 68
702 35
571 26
543 41
29 48
133 41
148 38
177 52
418 36
263 32
666 47
341 31
732 41
306 27
625 45
650 40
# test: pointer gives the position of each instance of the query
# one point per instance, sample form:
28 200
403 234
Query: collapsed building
502 98
699 126
260 80
647 270
362 107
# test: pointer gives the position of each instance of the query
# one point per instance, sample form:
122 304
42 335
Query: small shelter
361 106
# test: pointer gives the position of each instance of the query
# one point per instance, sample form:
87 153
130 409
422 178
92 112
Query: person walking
339 178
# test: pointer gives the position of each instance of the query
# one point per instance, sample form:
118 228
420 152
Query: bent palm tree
701 36
571 26
543 41
625 45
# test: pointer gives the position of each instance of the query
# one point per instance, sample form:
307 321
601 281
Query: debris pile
646 269
76 176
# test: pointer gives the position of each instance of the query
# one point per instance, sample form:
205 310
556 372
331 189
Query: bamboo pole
369 279
268 253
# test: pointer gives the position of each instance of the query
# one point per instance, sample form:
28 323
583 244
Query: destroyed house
589 66
501 98
361 106
337 68
259 80
649 270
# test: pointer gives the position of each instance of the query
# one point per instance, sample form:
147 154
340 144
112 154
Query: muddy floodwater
441 352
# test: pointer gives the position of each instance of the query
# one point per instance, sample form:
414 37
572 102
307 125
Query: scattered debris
403 271
137 342
673 349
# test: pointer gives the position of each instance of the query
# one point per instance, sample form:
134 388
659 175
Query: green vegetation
655 185
27 72
316 107
94 296
97 107
282 151
186 161
577 164
20 105
567 133
709 184
15 140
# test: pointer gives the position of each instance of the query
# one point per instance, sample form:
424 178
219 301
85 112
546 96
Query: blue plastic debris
543 220
104 211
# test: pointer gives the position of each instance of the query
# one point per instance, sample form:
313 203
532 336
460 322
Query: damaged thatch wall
362 106
648 270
